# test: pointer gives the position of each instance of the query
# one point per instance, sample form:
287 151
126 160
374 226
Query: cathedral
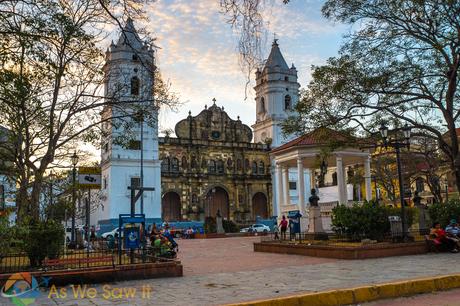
214 164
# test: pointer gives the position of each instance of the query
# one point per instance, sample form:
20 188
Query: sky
198 51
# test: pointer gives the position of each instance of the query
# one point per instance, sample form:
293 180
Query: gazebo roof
321 136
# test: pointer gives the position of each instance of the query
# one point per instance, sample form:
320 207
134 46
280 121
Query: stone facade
212 167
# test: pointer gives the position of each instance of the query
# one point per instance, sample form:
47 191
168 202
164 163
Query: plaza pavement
219 271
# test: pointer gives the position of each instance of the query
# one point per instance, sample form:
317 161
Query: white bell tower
277 92
129 76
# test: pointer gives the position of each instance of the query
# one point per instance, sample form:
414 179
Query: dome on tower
129 36
276 59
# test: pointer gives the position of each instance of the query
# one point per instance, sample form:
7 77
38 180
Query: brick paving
219 271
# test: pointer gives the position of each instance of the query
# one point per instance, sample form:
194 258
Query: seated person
440 239
453 229
167 234
163 248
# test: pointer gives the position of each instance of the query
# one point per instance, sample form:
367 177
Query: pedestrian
283 226
276 232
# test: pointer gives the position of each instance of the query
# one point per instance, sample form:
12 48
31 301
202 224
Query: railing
342 239
99 254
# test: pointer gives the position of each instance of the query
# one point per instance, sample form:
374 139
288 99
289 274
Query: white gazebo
304 153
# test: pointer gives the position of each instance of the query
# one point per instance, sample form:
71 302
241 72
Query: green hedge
6 237
444 212
230 226
210 225
369 220
43 240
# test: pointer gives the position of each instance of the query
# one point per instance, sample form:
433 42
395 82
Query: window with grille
287 102
175 165
254 167
212 166
261 167
165 165
220 166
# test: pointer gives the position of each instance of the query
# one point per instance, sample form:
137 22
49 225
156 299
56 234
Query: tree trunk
35 197
457 174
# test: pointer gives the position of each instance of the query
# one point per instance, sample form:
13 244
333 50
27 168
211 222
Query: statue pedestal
315 224
220 227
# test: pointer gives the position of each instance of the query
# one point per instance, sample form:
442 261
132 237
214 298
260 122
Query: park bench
82 262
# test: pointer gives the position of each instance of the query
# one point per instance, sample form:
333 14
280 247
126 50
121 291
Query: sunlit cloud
198 51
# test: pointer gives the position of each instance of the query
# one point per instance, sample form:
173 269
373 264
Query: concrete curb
364 293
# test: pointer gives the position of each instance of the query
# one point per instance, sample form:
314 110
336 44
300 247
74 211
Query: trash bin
395 227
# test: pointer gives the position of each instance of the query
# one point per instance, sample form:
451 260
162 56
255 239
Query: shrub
43 239
6 237
444 212
210 225
369 220
230 226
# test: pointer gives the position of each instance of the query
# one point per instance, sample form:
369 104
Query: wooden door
259 206
170 207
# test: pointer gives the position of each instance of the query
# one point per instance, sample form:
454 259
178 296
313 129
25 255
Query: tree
399 65
51 84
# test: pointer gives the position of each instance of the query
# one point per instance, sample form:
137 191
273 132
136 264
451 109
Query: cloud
199 56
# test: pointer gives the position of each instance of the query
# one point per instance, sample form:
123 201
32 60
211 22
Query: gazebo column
367 177
300 185
287 198
341 180
279 188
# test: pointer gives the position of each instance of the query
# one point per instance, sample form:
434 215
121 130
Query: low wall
343 252
227 235
107 274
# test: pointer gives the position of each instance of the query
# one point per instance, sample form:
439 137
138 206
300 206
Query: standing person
153 233
276 231
283 226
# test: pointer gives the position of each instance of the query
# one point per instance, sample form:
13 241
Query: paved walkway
238 274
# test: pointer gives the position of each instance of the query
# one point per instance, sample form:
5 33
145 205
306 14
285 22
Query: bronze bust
313 199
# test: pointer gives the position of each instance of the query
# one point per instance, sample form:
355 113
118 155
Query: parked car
112 233
256 228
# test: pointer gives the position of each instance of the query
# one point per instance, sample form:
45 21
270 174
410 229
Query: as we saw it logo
21 288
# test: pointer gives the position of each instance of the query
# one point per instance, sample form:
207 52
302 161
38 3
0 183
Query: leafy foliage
368 220
6 237
44 239
400 65
230 226
444 212
210 225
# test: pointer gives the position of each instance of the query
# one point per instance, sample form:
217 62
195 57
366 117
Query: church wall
194 183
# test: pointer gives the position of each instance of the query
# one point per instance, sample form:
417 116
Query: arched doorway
170 207
259 206
217 199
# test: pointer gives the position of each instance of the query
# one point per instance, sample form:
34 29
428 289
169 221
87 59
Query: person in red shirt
441 240
283 226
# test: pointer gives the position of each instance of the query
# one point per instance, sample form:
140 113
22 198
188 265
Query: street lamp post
74 160
397 145
446 185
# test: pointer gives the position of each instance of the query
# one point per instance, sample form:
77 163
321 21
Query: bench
80 262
